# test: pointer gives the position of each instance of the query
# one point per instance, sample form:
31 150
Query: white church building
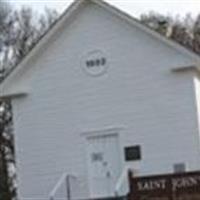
100 94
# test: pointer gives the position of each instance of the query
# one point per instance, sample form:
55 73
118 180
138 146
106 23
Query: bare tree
24 30
157 22
7 161
196 32
19 31
185 31
5 13
7 188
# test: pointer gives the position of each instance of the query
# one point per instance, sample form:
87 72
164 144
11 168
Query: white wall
154 106
197 92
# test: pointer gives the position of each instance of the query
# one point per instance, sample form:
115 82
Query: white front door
103 165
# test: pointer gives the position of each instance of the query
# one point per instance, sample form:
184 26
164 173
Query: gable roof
71 11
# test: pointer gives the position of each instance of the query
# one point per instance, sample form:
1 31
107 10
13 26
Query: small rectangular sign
132 153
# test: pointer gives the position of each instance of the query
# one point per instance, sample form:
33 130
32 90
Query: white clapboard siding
139 95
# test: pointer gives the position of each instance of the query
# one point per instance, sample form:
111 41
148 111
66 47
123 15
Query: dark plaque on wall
132 153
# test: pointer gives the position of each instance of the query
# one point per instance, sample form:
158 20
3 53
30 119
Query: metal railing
65 182
122 183
64 179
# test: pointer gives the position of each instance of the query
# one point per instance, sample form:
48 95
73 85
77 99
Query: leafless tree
20 30
185 31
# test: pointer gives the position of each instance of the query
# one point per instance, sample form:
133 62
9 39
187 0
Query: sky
133 7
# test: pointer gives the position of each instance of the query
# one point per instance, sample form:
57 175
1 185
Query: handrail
121 181
65 178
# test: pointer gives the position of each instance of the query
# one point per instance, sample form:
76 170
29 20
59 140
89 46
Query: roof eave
186 68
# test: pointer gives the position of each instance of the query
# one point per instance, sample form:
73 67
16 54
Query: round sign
95 63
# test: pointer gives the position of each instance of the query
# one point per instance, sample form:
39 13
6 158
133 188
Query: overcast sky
133 7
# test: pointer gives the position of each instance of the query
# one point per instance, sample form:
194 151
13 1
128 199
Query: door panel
103 165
